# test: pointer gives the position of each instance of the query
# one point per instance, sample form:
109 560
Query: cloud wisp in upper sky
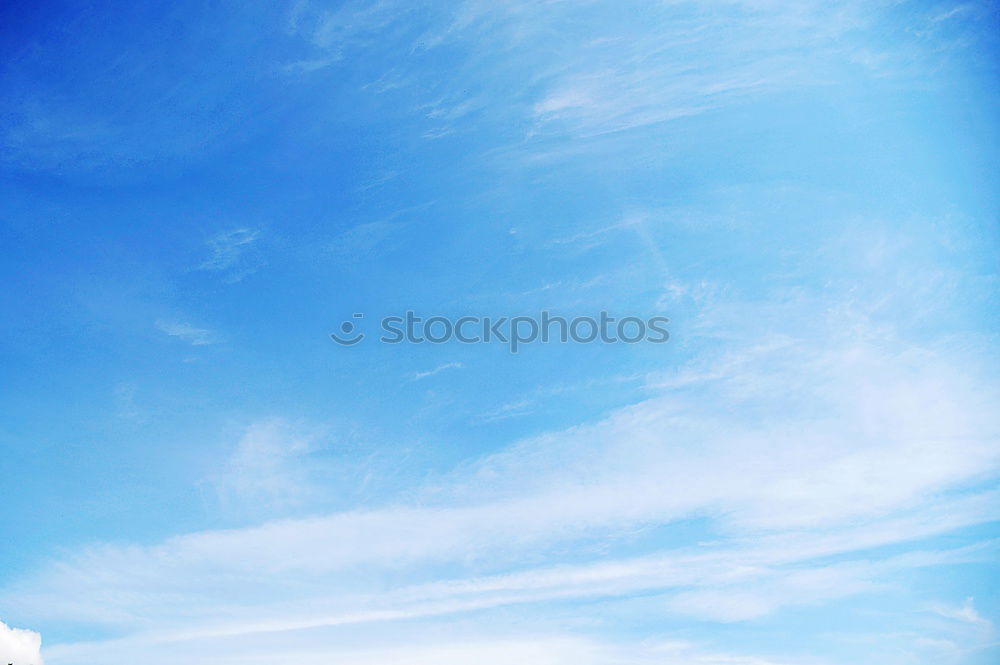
185 331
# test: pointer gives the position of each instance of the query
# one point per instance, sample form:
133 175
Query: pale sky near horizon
194 196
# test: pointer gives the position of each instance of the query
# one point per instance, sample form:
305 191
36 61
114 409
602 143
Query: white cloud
188 333
268 468
795 449
227 247
859 448
230 253
823 434
536 648
687 59
19 646
437 370
965 613
513 409
362 241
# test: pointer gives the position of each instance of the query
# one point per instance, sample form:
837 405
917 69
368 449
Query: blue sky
195 195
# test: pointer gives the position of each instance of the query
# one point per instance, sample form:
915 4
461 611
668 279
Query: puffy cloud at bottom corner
19 646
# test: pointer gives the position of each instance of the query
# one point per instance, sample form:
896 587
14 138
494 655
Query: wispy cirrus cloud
966 612
811 459
186 332
840 473
537 648
231 253
364 240
417 376
268 469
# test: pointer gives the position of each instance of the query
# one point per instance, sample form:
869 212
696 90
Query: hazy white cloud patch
515 409
437 370
966 612
858 437
125 400
822 425
270 467
230 253
187 333
532 648
364 241
824 432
